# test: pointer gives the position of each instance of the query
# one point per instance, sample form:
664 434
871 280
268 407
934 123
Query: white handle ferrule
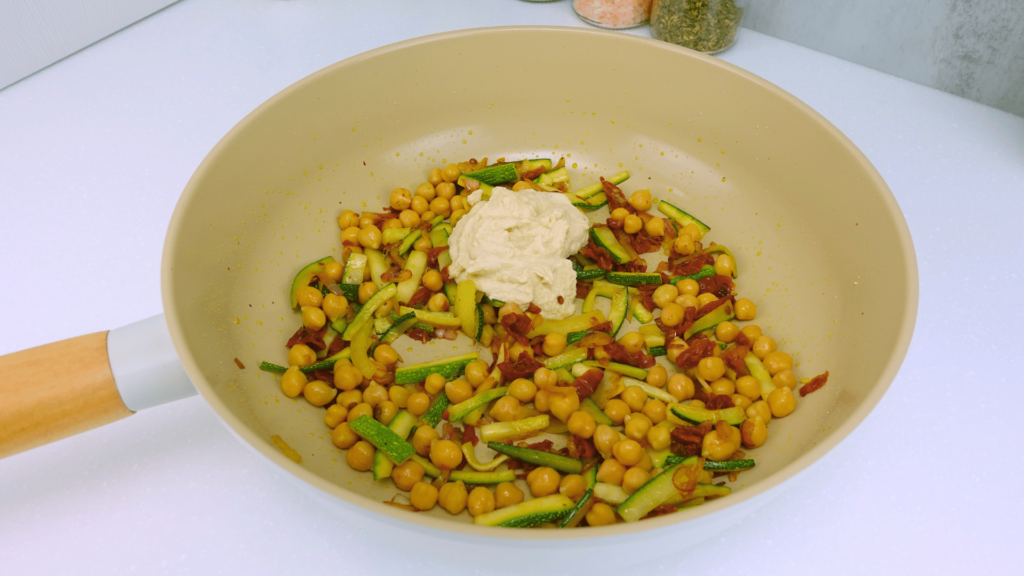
145 366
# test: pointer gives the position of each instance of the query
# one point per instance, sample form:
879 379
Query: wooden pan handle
56 390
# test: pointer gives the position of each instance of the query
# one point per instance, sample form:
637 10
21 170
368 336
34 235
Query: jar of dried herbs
705 25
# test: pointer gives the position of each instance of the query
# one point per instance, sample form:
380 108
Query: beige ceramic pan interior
820 242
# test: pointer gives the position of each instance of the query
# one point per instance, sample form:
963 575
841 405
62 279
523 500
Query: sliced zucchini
598 188
360 348
634 278
696 415
564 376
567 358
538 457
651 391
379 264
572 324
596 201
553 177
649 496
624 369
466 308
305 276
501 430
702 273
408 241
449 368
724 466
470 453
532 165
653 336
417 264
398 327
456 412
382 438
327 363
587 405
494 175
271 367
485 189
662 458
657 351
605 238
530 513
365 314
435 413
429 468
641 313
394 235
590 301
594 274
724 250
681 218
711 319
575 515
355 268
758 371
401 425
610 493
474 477
439 236
619 311
437 319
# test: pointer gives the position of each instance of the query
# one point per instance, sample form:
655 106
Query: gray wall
971 48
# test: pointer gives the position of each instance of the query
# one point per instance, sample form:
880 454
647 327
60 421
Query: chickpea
634 478
435 176
423 438
318 393
600 514
456 203
507 494
688 301
697 404
628 452
633 342
390 223
634 397
417 404
659 437
522 389
366 220
726 331
451 173
683 244
572 486
754 432
434 383
347 377
509 308
446 190
293 382
301 355
335 306
385 412
374 394
749 387
438 303
476 372
518 349
490 314
785 378
541 401
641 200
581 424
385 354
420 205
672 314
406 475
350 236
409 218
432 280
350 398
457 215
543 481
335 415
645 462
605 438
458 391
745 309
689 286
637 428
740 401
348 219
777 361
711 368
782 402
361 409
655 227
763 346
680 387
398 395
562 406
309 296
423 495
422 244
715 448
453 497
705 299
366 291
370 237
426 190
632 224
725 265
723 387
693 231
400 199
445 454
521 185
619 214
657 376
611 472
480 501
665 295
759 409
505 409
752 332
441 206
617 410
343 437
554 344
360 456
655 410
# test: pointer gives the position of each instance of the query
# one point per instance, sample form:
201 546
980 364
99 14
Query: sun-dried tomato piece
692 265
432 254
733 358
518 326
599 255
420 334
583 288
710 306
524 366
325 375
718 285
444 275
616 199
312 338
718 401
814 385
469 435
617 352
580 448
396 274
587 383
636 265
419 296
644 243
699 349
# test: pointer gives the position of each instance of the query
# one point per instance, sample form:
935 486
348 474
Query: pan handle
61 389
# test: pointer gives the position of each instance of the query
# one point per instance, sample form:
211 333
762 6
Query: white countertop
95 150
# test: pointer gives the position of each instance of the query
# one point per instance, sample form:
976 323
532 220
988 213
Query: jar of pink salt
614 14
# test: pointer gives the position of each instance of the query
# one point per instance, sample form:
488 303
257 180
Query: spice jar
704 25
614 14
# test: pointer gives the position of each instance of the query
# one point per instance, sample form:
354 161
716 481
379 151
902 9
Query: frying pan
820 243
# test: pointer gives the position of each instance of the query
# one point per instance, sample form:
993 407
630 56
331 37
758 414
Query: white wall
971 48
37 33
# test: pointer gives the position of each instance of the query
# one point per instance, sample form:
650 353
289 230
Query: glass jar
704 25
613 14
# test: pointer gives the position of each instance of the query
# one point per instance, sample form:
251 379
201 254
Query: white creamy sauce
515 248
